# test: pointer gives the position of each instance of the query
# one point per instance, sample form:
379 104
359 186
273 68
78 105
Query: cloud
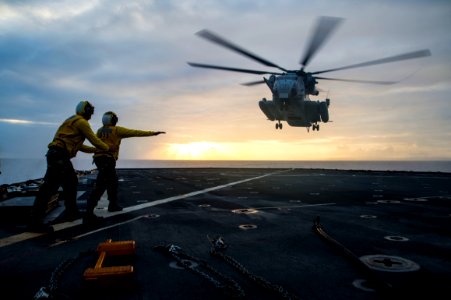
15 121
130 57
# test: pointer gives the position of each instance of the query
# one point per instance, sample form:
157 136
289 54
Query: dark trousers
106 180
60 173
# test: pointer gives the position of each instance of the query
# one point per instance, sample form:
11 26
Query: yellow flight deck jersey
112 136
72 133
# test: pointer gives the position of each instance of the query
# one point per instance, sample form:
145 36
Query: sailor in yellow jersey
106 164
67 141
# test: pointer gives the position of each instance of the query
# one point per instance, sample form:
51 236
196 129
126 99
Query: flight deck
239 233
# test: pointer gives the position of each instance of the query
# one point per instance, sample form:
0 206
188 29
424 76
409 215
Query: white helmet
84 108
109 118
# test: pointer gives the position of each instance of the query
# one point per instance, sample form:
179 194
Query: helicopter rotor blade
253 83
324 27
405 56
197 65
358 80
212 37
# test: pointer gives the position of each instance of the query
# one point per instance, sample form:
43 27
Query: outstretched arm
159 132
126 132
92 138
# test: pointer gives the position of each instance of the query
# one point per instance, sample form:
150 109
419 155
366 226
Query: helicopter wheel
279 125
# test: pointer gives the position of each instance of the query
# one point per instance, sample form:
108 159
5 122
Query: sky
131 57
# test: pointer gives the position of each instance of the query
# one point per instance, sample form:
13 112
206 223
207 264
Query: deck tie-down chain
226 284
380 284
51 291
217 250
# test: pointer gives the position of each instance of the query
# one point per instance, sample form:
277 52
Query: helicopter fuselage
291 103
292 88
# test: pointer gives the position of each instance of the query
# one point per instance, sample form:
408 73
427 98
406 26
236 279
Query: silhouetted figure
106 164
60 172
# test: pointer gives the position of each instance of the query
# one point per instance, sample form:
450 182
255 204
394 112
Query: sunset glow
197 150
135 62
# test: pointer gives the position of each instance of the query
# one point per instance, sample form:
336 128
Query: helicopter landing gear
279 125
315 127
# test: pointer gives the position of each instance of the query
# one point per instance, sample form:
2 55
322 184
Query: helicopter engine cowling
324 111
268 108
316 111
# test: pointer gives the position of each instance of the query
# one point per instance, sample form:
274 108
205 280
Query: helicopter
291 89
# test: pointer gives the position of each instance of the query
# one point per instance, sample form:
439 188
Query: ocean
19 170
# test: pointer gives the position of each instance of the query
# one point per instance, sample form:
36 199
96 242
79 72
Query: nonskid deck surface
280 233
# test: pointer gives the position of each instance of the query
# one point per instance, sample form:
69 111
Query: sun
197 150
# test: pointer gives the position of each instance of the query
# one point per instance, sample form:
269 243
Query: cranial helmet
84 108
109 118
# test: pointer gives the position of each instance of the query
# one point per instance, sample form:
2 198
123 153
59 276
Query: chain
58 273
51 291
381 284
218 246
231 287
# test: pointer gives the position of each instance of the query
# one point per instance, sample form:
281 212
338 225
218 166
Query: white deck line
57 227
